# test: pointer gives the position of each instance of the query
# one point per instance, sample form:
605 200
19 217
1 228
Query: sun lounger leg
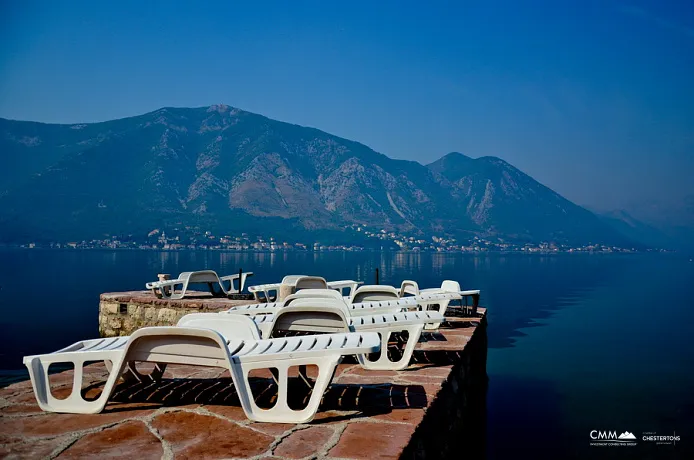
475 303
220 291
281 412
443 306
180 295
383 361
166 292
74 403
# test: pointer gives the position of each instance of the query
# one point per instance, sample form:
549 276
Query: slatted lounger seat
167 288
419 302
226 341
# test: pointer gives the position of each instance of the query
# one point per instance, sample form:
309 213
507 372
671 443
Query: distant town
195 239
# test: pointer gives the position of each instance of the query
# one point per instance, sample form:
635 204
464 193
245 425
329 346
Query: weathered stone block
134 310
167 315
109 308
150 314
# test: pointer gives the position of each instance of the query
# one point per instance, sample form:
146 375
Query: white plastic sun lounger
167 288
447 286
388 293
355 309
331 315
226 341
411 287
264 292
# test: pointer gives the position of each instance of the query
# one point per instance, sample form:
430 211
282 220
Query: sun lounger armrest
160 284
264 287
236 276
232 278
341 284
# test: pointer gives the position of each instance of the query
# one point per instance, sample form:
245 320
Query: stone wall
122 313
455 424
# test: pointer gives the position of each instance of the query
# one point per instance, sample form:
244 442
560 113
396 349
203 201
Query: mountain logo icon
627 435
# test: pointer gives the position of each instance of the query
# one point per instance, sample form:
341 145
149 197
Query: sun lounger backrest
310 282
315 294
307 316
291 279
322 302
204 276
180 345
409 287
450 286
375 292
229 326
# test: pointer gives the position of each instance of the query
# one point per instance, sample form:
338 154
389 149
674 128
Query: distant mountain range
637 230
230 170
668 223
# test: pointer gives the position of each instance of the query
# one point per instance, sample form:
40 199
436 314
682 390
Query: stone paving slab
194 412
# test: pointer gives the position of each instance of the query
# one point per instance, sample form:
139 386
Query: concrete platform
435 408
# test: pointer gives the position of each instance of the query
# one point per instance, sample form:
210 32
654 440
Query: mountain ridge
222 167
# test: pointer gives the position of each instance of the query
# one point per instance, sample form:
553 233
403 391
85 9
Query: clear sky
593 98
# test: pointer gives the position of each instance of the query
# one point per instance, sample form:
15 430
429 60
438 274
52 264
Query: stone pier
435 408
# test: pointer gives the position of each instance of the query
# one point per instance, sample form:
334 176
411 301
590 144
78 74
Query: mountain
636 230
673 218
226 169
500 199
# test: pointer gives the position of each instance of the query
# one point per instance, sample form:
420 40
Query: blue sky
592 98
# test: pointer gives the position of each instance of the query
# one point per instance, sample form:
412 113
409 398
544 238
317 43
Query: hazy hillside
500 199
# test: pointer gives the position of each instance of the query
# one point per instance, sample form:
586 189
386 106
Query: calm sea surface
576 342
